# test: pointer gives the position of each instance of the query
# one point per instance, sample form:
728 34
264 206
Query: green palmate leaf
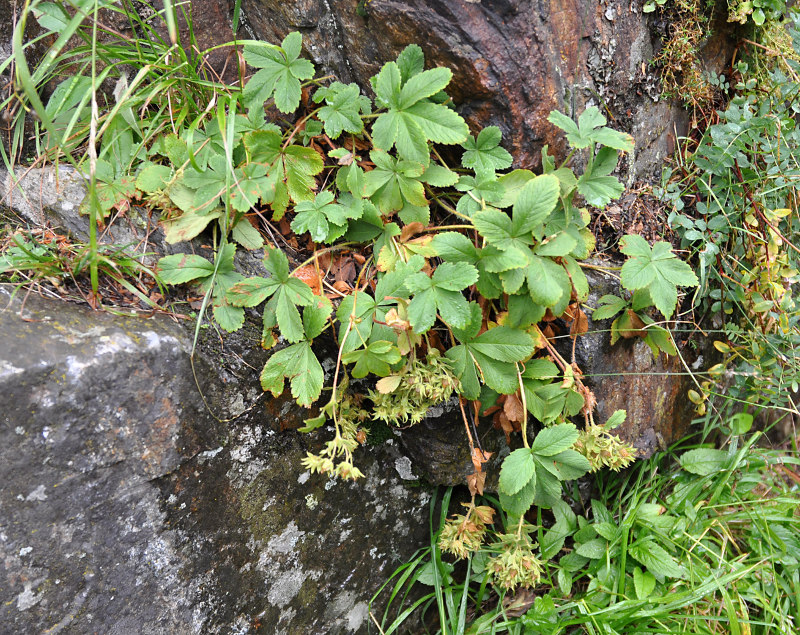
616 419
481 192
523 312
111 193
518 504
181 268
294 166
658 270
342 110
512 280
230 318
557 245
541 369
608 306
518 469
252 184
351 178
280 74
454 247
441 293
548 487
50 16
209 185
376 358
514 235
423 85
439 176
412 120
410 62
580 283
315 316
497 228
187 226
300 366
247 235
357 313
555 439
394 183
535 202
590 129
496 261
599 190
547 281
659 339
252 291
547 400
153 177
484 154
415 214
511 185
227 316
570 464
322 218
489 358
285 294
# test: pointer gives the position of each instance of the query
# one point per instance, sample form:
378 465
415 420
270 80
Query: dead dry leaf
513 409
309 275
410 230
520 602
479 457
476 482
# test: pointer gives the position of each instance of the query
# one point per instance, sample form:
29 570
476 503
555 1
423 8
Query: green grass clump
694 540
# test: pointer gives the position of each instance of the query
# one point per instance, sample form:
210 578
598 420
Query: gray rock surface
128 508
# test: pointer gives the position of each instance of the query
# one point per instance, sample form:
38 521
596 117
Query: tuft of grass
31 257
111 94
695 540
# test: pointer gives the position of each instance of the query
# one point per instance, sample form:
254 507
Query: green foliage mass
480 287
460 262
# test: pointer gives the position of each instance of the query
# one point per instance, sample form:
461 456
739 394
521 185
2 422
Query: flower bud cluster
463 534
604 449
515 565
422 385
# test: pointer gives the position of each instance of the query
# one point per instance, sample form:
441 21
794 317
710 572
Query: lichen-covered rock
128 507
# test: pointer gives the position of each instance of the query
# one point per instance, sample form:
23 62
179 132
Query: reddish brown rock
513 60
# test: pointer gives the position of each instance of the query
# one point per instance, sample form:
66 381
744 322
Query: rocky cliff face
128 507
513 60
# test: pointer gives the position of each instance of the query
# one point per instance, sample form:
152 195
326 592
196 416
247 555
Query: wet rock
439 447
128 507
513 61
626 376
